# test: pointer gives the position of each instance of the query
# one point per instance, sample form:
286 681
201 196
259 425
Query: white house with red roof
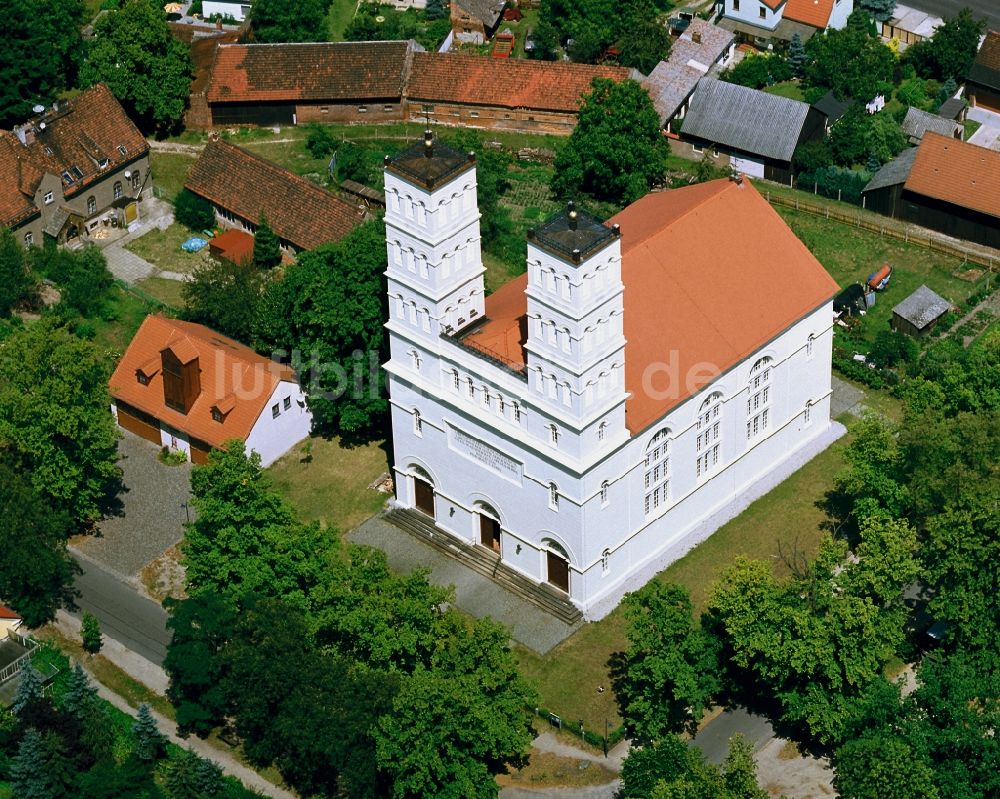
762 22
183 386
594 419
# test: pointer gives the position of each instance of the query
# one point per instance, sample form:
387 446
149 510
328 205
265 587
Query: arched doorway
557 566
423 491
489 526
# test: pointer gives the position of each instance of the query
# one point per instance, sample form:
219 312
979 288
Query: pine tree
881 10
149 740
797 56
80 695
90 634
188 776
29 768
947 91
29 689
266 247
873 165
434 9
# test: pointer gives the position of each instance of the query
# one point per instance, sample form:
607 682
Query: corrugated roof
504 82
247 185
956 172
669 257
894 172
809 12
745 119
228 370
922 307
309 71
917 123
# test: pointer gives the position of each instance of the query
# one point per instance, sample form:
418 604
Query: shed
953 108
235 246
917 123
919 312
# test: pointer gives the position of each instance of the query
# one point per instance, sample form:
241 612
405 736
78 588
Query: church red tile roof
247 185
504 83
233 378
309 71
693 298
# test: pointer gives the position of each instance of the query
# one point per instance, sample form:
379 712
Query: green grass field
162 248
339 17
169 172
328 483
166 291
789 88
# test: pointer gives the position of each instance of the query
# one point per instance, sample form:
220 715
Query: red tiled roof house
186 387
73 168
242 186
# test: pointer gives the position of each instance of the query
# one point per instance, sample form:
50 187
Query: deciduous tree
288 21
90 634
617 151
227 297
16 282
670 672
144 65
194 211
54 419
950 51
40 55
36 573
850 61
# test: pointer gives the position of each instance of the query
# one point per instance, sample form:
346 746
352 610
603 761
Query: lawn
166 291
162 248
785 520
789 88
328 482
850 254
339 17
169 172
125 311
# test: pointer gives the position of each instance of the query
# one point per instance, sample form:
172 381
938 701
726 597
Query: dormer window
77 174
67 177
222 408
147 371
103 163
143 380
48 150
122 150
217 415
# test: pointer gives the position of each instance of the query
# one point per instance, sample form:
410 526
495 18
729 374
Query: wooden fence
893 229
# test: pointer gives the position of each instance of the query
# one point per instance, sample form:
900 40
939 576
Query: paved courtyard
154 512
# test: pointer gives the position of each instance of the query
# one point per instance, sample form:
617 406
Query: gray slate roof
830 107
951 108
672 81
918 122
486 11
745 119
922 307
895 172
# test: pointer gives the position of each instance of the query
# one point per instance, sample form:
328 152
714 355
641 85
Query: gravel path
155 500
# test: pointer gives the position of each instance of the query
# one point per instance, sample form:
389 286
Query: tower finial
572 214
428 143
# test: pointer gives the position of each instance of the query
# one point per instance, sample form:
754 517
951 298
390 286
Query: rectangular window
143 380
736 5
697 149
275 411
362 109
763 12
324 109
387 108
287 403
49 197
474 114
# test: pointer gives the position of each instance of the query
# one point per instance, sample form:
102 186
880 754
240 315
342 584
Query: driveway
989 134
155 506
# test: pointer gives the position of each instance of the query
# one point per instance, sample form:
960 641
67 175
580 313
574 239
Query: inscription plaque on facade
489 456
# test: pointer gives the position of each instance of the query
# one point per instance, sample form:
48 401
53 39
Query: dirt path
195 149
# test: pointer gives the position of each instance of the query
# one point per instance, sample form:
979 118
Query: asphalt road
949 8
713 740
134 621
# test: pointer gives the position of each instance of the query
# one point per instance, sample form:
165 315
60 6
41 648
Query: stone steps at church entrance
486 563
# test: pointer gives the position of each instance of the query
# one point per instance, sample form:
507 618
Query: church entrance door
489 533
558 571
423 495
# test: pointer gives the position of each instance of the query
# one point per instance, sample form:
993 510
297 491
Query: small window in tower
602 431
418 423
553 435
472 388
553 496
454 379
605 561
517 411
604 492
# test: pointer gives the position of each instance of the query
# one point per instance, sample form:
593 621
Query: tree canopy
850 61
144 65
227 297
16 282
275 21
40 54
327 314
881 10
950 51
630 31
54 419
617 151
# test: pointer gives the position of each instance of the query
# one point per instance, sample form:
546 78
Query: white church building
597 417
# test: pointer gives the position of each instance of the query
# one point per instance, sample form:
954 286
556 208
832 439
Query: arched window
605 486
118 189
656 479
486 396
759 398
415 358
516 409
553 435
454 379
807 413
553 496
602 431
472 388
809 345
91 204
605 561
708 441
418 423
136 175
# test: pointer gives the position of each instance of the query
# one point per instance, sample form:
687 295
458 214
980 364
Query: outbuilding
918 313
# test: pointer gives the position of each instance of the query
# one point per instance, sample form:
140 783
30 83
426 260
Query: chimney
696 37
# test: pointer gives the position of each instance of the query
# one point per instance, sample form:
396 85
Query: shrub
90 634
193 211
320 141
758 71
835 182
